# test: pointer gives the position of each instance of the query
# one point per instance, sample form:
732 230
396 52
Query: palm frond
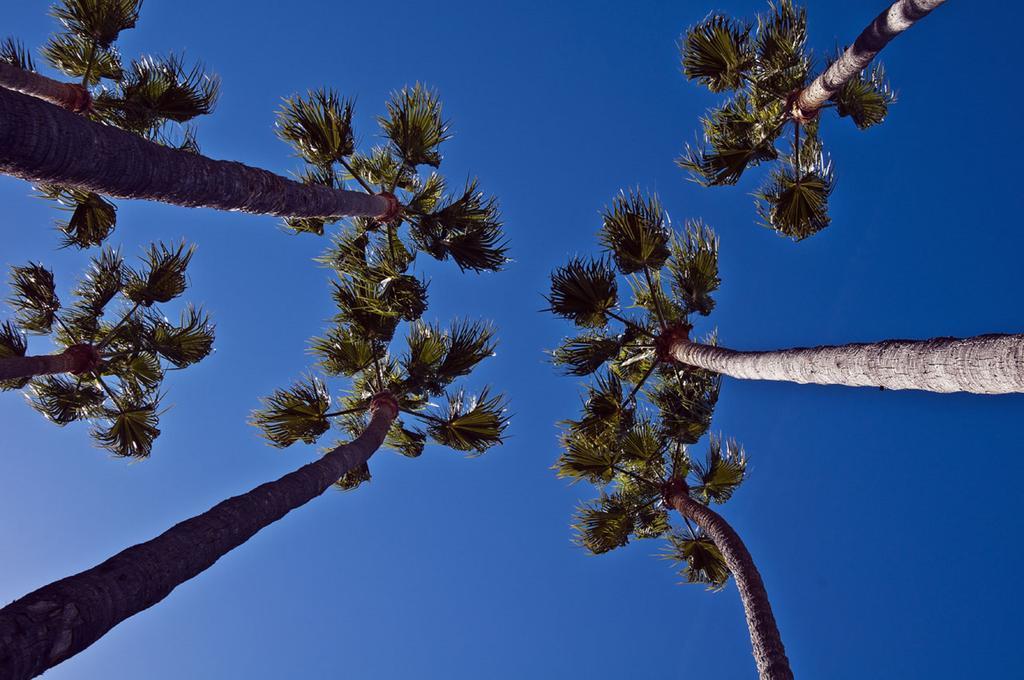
686 402
584 354
352 479
13 53
100 20
584 291
427 195
721 473
736 136
360 304
92 220
35 300
12 344
603 525
586 456
642 443
717 53
406 441
72 54
427 346
318 126
140 369
294 414
344 352
63 400
187 343
635 232
781 65
865 98
404 295
795 202
467 229
603 409
415 126
467 343
471 423
381 168
164 276
131 428
101 283
693 267
700 558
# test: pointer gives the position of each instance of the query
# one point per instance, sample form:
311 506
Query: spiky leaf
294 414
164 276
471 423
634 232
603 525
72 54
722 471
795 204
100 20
12 344
865 98
584 291
354 477
318 126
13 53
717 53
187 343
693 267
584 354
467 229
344 352
415 126
129 432
700 558
35 300
62 399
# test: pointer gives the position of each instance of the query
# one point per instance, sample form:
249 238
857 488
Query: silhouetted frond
405 441
361 305
686 403
164 276
468 229
415 126
471 423
584 354
70 54
635 232
380 167
294 414
131 428
139 368
717 52
467 344
693 267
12 344
584 291
35 300
101 283
700 558
603 409
62 399
13 53
187 343
318 126
343 352
354 477
100 20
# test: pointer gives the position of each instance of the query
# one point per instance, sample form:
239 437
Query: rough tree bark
70 96
42 143
900 16
985 364
769 653
75 359
63 618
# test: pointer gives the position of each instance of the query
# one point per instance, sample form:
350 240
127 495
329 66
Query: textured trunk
57 621
897 18
68 96
42 143
75 359
769 653
985 364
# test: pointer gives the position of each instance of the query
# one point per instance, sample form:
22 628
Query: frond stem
356 177
631 324
636 388
656 297
110 334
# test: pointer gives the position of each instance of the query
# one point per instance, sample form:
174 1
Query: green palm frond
360 305
12 344
131 428
650 296
467 229
584 291
584 354
737 135
155 89
717 53
721 473
795 203
427 196
427 346
140 369
101 283
642 443
13 53
63 400
781 65
92 219
404 295
72 54
700 558
164 276
603 409
471 423
603 525
406 441
187 343
347 252
693 267
415 126
352 479
318 126
650 521
294 414
865 98
380 167
99 20
586 456
35 300
344 352
635 232
467 344
686 401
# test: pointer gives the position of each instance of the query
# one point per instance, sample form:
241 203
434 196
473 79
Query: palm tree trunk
63 618
769 653
900 16
985 364
44 144
70 96
75 359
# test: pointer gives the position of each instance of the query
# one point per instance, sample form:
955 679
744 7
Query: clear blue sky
885 524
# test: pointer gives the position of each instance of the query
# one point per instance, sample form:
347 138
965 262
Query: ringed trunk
45 144
70 96
984 364
59 620
769 653
900 16
75 359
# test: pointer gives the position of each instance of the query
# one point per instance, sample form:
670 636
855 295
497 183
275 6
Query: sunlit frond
352 479
406 441
700 558
130 429
344 352
586 456
471 423
584 291
164 276
75 56
318 126
415 125
717 53
584 354
466 228
100 20
686 400
13 53
187 343
12 344
62 399
35 300
795 203
693 267
294 414
721 473
635 232
603 525
865 98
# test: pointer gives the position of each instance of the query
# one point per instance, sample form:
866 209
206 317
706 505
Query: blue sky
884 523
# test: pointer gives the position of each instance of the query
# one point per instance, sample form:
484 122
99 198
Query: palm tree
111 369
375 293
767 67
154 97
633 445
635 234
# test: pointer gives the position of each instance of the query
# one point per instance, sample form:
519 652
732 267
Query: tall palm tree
154 97
111 368
375 293
767 65
633 446
635 234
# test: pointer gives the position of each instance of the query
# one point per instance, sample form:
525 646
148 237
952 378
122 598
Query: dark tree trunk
59 620
75 359
769 653
900 16
70 96
45 144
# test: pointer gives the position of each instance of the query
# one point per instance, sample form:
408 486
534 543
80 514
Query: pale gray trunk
70 96
986 364
45 144
897 18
